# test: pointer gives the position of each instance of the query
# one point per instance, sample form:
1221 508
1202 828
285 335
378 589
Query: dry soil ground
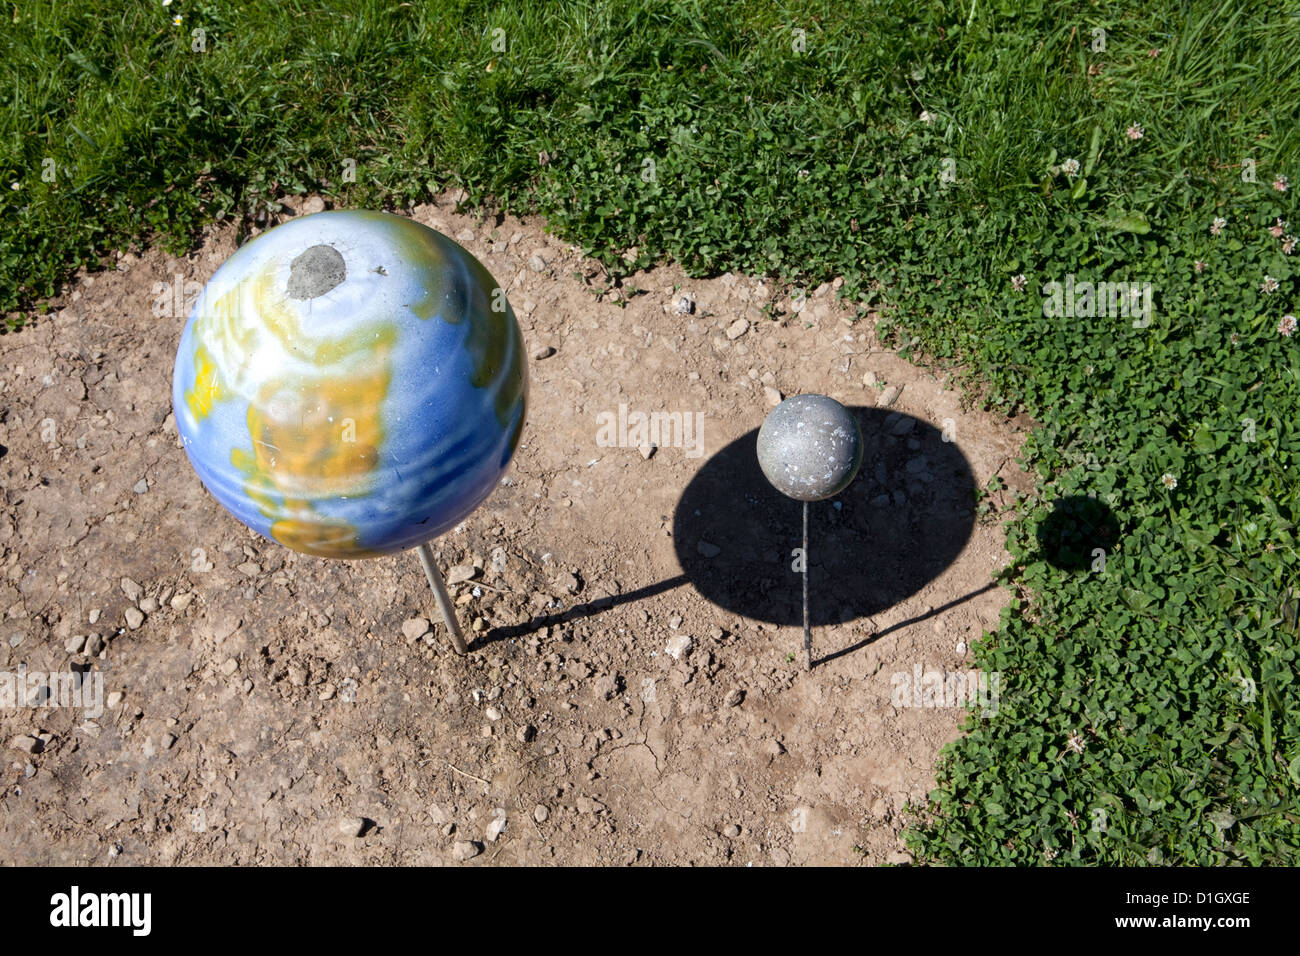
261 706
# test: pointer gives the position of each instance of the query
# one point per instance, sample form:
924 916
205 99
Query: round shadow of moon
1075 528
904 520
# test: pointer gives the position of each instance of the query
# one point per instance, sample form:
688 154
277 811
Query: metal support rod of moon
807 628
444 600
810 449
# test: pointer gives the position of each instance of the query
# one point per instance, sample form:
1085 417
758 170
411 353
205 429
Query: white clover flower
1070 167
1135 131
1018 282
1269 285
1216 227
1287 325
1281 183
1169 481
927 116
1075 742
1288 245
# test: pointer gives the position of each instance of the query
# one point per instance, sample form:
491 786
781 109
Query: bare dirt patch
276 708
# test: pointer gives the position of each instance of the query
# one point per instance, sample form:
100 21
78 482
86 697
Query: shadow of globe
1077 532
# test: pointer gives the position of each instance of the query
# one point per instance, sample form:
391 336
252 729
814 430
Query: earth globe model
350 384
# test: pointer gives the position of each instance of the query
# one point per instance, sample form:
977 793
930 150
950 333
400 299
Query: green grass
1174 667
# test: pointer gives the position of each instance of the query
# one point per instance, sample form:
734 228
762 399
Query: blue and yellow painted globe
350 384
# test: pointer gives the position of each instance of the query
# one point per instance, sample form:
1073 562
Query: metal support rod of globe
440 594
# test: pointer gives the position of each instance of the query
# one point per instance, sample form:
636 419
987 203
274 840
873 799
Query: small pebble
536 263
887 397
540 813
352 826
466 850
773 395
738 328
679 646
134 617
75 643
114 699
415 628
141 486
544 352
461 573
731 832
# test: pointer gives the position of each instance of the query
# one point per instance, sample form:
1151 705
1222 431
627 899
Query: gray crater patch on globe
315 272
810 447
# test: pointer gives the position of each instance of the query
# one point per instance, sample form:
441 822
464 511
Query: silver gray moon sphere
810 447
